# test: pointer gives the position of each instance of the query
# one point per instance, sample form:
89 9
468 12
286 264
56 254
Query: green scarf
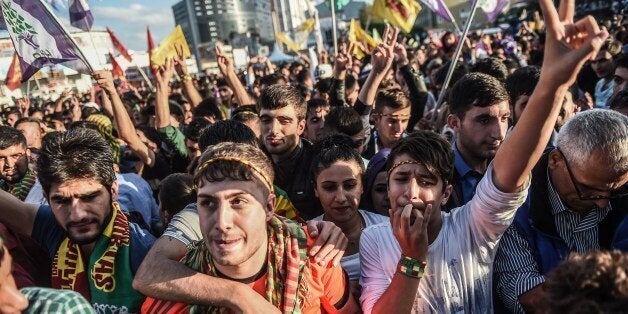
106 281
21 189
286 286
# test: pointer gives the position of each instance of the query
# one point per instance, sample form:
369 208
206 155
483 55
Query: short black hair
208 108
75 154
333 148
195 129
25 120
272 79
430 149
344 120
176 191
475 89
622 61
10 136
280 96
459 71
522 82
227 131
491 66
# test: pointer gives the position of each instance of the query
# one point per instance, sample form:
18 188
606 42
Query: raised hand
383 55
344 60
104 79
401 54
179 63
409 225
75 107
23 104
165 72
568 45
224 63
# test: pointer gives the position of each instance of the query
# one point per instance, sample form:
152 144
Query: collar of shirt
461 166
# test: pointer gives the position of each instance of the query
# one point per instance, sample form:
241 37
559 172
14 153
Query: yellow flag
282 37
300 36
401 13
363 42
168 47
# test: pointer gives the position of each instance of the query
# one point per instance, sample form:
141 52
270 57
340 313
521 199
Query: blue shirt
136 195
48 233
466 177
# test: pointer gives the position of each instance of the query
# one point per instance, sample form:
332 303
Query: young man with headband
244 241
430 261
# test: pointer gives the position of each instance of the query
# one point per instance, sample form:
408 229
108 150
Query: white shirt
458 276
35 195
351 263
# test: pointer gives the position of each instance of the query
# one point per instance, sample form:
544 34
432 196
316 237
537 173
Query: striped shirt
516 269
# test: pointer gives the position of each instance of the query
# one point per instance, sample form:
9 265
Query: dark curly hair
595 282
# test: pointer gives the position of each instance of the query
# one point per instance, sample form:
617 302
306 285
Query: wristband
186 78
411 267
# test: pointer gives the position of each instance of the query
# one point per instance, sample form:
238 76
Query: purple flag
438 7
38 37
492 8
80 15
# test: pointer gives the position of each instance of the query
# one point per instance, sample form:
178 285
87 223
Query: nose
498 130
275 126
412 190
340 196
77 213
397 126
224 218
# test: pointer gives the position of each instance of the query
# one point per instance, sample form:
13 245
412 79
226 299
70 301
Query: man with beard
282 114
95 250
15 176
479 116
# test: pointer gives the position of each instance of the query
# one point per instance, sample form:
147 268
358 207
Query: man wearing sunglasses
577 199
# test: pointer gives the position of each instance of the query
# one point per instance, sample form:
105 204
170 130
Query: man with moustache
94 248
282 112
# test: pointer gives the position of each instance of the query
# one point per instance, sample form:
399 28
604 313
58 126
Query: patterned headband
248 164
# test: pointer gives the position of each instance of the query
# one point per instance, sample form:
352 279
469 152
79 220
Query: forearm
399 296
522 149
162 109
239 91
122 119
368 92
191 93
337 92
534 301
17 215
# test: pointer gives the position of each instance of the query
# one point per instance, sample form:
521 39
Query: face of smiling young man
233 216
281 129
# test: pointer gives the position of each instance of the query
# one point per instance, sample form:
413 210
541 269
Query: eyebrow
232 195
82 195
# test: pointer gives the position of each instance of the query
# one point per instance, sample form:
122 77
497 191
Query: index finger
550 15
566 10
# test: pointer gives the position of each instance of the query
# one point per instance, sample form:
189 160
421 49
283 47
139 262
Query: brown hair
595 282
393 98
279 96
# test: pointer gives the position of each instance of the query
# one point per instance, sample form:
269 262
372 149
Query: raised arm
124 124
381 61
343 61
567 46
188 85
226 68
17 215
162 108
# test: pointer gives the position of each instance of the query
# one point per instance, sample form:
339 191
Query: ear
114 190
554 160
446 195
454 122
270 206
301 127
376 117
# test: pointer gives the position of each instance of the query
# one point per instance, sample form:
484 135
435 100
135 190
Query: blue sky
128 19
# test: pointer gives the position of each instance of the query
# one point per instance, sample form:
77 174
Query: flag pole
453 20
333 26
150 85
65 32
454 60
28 88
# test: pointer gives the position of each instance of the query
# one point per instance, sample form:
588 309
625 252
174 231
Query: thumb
591 46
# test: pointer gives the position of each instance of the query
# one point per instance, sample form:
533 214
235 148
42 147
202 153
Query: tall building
206 21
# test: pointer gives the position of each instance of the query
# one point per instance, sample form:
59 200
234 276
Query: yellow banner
401 13
300 36
282 37
169 46
363 42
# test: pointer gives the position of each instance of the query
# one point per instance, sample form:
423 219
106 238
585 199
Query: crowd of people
293 188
